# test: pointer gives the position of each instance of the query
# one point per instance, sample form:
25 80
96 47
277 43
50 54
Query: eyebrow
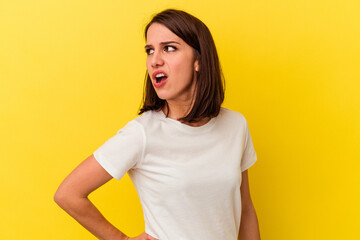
162 43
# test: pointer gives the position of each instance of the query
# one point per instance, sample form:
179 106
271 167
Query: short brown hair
210 84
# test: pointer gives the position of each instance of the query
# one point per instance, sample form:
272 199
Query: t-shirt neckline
184 127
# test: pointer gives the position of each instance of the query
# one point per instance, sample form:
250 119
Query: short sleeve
249 155
123 151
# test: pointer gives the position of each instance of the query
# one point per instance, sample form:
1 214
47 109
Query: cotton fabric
187 178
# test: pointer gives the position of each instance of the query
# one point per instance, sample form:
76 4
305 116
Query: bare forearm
84 212
249 226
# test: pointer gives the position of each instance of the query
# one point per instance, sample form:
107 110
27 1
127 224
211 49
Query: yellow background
72 73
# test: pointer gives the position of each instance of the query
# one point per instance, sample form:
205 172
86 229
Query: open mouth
160 77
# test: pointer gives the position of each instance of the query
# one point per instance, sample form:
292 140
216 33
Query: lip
157 85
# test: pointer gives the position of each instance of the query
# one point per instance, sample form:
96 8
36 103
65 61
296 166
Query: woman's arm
249 226
72 196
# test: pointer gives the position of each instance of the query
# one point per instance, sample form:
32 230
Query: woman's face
168 53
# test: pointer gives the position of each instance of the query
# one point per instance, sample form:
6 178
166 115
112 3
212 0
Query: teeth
160 75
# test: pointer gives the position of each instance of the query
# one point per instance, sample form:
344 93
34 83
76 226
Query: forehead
158 33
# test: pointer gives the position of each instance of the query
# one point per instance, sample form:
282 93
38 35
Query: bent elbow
60 198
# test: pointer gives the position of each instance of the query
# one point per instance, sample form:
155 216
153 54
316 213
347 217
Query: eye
170 48
148 51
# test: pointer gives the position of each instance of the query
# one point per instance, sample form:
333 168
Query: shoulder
232 122
147 118
232 116
142 124
137 124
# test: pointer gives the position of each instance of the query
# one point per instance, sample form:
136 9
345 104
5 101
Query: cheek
184 70
182 67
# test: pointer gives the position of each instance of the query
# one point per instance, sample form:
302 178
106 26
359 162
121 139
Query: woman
186 155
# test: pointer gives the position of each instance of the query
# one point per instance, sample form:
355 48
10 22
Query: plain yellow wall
72 73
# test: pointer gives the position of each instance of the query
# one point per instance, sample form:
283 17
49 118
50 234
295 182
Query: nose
156 59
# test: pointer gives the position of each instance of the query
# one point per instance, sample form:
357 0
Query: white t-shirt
187 178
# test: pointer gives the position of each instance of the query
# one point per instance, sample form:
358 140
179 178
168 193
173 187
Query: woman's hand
143 236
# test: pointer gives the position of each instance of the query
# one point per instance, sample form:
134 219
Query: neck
178 110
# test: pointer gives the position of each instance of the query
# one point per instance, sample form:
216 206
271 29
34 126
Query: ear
196 66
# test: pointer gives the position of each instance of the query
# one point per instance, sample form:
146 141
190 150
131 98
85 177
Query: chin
163 95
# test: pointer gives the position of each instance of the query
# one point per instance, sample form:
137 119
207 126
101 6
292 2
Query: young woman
186 155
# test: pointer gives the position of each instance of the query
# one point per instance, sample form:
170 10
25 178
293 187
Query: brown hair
210 84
